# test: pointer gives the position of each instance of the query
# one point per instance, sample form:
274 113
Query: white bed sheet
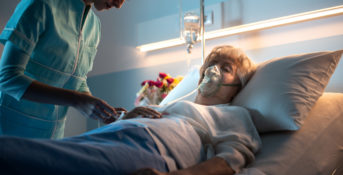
317 148
221 130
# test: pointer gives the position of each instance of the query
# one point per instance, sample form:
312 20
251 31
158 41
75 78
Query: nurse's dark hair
245 67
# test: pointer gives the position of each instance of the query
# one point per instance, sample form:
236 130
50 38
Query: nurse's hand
95 108
144 112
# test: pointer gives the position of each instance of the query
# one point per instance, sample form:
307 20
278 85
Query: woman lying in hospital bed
207 136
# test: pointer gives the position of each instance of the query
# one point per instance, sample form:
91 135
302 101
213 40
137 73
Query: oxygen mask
212 81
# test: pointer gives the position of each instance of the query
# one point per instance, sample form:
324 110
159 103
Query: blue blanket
119 148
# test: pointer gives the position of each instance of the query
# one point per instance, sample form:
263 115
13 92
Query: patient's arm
144 112
214 166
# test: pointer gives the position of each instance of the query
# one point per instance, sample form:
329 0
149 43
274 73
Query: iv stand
202 30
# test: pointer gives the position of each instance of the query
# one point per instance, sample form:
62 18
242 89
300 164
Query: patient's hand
144 112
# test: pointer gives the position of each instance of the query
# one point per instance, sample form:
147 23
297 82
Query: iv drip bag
191 29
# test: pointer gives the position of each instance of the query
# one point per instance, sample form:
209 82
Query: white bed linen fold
220 130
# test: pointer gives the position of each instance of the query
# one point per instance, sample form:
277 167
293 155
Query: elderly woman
226 70
203 137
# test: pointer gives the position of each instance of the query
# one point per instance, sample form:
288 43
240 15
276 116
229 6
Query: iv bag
191 30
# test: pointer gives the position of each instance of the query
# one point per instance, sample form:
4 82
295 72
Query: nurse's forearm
86 104
44 93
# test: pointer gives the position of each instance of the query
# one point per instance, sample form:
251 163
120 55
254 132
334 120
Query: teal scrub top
61 39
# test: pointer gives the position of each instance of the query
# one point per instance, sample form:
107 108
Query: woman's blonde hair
245 67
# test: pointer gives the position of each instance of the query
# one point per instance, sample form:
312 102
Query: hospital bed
315 147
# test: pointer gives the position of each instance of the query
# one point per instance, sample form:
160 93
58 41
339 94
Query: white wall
6 9
123 29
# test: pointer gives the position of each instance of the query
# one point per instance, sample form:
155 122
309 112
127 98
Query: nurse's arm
15 83
88 105
13 62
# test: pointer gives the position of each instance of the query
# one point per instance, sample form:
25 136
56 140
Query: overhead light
160 45
275 22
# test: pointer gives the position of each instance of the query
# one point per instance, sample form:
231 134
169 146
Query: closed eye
227 68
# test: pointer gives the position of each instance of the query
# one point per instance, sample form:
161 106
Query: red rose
144 82
158 84
170 80
151 83
162 75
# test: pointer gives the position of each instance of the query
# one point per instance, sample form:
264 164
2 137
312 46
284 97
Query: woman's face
229 73
107 4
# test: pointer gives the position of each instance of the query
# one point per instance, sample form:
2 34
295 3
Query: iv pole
202 30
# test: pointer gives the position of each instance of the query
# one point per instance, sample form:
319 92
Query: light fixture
300 17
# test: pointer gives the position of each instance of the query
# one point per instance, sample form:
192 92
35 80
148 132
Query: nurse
49 47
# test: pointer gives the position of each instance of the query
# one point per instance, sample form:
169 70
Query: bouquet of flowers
153 92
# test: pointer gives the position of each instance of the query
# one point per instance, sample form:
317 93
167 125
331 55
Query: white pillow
283 90
185 90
